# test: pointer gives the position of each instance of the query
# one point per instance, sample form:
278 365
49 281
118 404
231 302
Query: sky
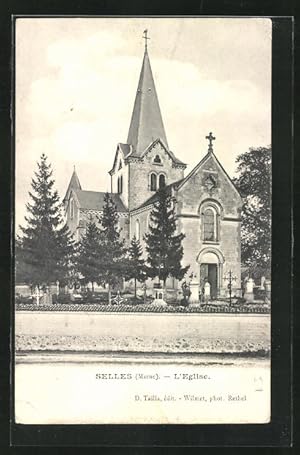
76 80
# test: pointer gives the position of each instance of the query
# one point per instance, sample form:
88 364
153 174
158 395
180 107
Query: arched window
162 181
148 220
153 182
157 159
120 184
209 225
137 229
71 209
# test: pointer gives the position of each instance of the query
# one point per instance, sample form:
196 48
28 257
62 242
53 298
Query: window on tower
153 182
162 181
120 184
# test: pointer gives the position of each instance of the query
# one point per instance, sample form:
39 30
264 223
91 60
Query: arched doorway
211 269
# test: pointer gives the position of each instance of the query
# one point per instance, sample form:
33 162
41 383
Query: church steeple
146 122
73 185
145 163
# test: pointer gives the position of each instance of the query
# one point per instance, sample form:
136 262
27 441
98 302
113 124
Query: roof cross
210 138
145 37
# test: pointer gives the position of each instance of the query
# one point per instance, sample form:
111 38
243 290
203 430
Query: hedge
148 308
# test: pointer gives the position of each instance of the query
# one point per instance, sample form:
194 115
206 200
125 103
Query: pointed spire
146 122
73 185
74 182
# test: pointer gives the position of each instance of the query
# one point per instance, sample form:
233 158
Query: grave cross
230 278
37 295
210 138
145 36
118 299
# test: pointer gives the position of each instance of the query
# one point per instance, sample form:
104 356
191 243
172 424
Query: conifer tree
22 270
88 254
163 245
136 265
112 258
45 247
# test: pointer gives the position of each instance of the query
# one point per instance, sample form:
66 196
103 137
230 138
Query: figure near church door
206 290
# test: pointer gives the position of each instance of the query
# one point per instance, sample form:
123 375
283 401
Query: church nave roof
94 200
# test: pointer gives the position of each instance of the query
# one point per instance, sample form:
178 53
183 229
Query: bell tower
148 161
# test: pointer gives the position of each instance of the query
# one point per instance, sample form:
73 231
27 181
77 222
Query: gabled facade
207 203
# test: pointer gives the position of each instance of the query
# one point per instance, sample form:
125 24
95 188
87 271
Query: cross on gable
210 138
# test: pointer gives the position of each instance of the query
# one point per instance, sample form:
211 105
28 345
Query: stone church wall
230 243
124 172
192 198
228 246
191 243
143 218
139 175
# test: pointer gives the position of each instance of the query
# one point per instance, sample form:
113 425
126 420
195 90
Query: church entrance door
210 272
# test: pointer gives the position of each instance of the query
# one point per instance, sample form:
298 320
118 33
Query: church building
208 205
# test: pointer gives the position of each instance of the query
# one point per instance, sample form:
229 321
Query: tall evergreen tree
163 245
136 265
45 246
88 254
112 258
22 270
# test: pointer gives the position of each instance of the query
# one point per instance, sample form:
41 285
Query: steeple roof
73 185
146 122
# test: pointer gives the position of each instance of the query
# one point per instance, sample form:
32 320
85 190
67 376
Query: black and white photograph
142 220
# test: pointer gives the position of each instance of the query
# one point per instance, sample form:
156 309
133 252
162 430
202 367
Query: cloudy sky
76 81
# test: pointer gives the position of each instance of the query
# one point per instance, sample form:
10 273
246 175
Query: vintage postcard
143 220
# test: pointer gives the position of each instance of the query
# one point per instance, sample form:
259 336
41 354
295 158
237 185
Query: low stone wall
142 332
209 326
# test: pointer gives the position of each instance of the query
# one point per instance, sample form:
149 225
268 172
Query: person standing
207 289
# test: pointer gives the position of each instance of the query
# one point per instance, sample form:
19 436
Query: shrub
259 294
131 300
25 300
62 298
94 298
